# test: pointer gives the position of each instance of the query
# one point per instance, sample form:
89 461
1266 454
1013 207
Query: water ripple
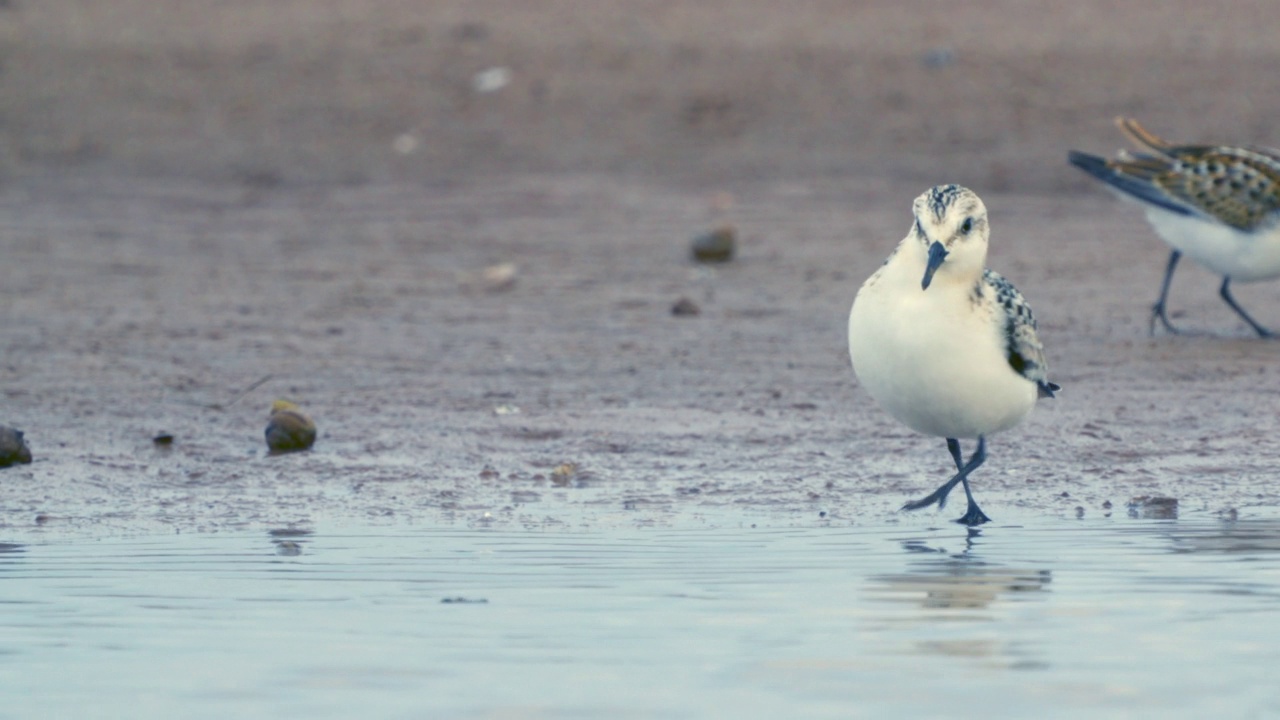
1057 621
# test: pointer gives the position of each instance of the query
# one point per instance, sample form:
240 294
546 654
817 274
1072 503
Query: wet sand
184 213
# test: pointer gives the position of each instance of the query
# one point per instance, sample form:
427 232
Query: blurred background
989 93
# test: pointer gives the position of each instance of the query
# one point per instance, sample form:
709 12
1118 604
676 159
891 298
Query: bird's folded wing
1023 348
1238 186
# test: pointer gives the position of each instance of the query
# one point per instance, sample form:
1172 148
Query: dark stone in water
13 447
1151 507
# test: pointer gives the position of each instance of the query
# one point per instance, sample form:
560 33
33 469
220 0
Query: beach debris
685 307
491 80
716 246
289 429
1152 507
497 278
234 400
13 447
563 473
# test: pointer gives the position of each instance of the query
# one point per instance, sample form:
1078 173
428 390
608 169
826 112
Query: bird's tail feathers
1139 135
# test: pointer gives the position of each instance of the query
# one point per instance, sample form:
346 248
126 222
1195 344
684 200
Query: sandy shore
195 198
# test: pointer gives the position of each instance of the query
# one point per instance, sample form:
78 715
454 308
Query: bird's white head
951 229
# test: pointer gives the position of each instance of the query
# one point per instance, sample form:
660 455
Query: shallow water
1115 617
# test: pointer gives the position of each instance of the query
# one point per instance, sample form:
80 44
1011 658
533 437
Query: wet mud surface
569 392
459 238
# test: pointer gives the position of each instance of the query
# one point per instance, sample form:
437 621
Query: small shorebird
1218 204
946 346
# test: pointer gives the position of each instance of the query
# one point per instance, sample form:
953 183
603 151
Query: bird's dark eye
967 226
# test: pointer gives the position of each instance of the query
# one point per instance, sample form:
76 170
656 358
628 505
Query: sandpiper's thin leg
1158 310
1225 292
953 446
974 515
939 496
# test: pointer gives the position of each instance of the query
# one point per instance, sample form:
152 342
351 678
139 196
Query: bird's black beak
937 253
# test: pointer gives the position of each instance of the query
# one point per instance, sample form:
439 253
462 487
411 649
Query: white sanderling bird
945 345
1218 204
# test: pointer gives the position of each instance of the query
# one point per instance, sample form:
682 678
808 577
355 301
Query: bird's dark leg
1157 310
953 446
939 496
974 515
1225 292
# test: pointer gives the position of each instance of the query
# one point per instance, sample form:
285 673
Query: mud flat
470 287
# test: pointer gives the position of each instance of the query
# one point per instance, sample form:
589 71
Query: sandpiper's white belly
1241 256
935 364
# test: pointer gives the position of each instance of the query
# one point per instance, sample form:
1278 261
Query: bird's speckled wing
1238 186
1023 349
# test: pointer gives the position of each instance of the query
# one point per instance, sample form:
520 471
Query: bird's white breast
1239 255
936 358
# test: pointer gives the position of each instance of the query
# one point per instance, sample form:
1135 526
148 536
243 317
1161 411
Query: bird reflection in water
940 579
949 604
